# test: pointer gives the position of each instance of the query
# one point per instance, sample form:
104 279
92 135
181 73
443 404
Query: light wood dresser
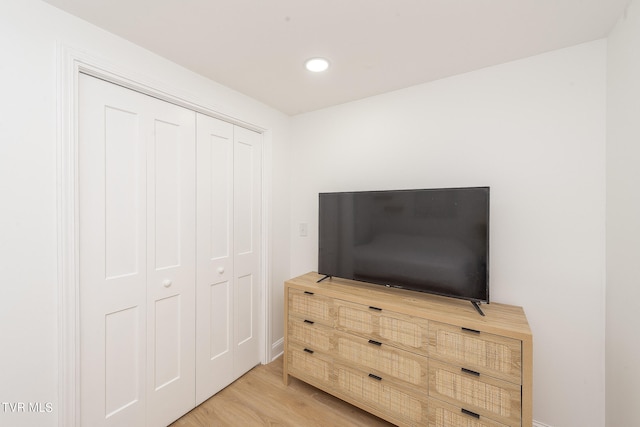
413 359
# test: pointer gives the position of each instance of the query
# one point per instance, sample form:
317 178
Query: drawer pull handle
469 371
308 293
375 377
473 331
375 308
309 321
308 351
378 343
471 414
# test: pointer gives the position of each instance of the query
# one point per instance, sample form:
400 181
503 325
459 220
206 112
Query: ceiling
258 47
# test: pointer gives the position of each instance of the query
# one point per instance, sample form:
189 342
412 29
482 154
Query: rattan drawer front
309 333
306 363
442 414
310 306
484 395
385 360
381 394
382 325
486 353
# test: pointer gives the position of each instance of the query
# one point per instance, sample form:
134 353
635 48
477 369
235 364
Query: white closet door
171 263
247 195
215 308
137 257
112 225
228 283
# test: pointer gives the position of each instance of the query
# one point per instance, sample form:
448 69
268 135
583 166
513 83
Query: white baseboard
539 424
277 349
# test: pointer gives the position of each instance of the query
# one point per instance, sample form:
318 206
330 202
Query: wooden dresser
413 359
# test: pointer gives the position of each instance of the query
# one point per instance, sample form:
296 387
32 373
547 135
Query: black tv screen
431 240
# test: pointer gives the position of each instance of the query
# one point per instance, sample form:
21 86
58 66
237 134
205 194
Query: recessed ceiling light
317 64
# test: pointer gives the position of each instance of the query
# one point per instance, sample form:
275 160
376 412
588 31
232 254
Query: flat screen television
428 240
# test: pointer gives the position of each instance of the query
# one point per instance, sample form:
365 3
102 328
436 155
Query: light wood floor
260 398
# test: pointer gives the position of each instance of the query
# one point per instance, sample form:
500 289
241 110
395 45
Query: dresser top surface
501 319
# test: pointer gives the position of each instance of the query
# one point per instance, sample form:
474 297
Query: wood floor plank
260 398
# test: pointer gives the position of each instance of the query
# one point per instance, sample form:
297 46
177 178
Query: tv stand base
326 276
477 307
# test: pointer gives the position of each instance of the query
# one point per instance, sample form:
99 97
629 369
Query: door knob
220 270
166 283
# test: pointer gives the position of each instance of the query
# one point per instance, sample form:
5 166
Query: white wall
29 31
533 130
623 221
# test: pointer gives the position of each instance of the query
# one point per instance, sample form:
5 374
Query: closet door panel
171 263
112 267
215 308
168 195
122 360
221 193
219 314
247 231
122 193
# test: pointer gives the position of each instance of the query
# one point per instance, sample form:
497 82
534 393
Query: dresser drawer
309 365
382 359
442 414
310 334
381 394
490 354
484 395
308 305
386 326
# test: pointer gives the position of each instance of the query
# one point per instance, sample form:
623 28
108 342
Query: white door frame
71 63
